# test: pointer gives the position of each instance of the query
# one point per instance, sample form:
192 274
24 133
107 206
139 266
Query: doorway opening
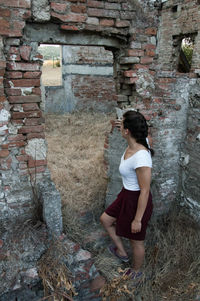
52 65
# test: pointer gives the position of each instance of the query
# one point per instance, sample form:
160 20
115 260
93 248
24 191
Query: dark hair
136 123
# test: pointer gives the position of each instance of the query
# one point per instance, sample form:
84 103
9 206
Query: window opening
186 52
175 8
52 66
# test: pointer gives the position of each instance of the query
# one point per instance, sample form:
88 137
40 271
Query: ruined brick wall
24 25
144 71
180 96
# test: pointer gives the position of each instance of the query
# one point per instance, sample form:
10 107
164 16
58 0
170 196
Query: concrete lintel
51 34
86 69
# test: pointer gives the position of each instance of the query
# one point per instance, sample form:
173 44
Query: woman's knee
106 220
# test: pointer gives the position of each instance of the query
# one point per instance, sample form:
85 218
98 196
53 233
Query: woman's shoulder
142 153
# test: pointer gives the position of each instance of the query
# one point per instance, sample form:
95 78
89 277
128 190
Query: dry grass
76 161
51 76
172 265
55 275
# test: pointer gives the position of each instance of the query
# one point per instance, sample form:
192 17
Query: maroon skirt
124 209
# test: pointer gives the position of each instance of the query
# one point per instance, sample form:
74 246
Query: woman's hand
136 226
118 123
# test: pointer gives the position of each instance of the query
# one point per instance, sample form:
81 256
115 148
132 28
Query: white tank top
127 168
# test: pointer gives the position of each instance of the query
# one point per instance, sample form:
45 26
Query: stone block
25 52
129 60
51 202
41 10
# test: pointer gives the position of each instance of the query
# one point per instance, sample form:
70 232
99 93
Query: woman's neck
133 145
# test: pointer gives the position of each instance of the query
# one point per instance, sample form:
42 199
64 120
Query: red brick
58 7
24 99
2 72
149 46
35 135
36 91
22 83
139 66
69 27
16 137
106 22
34 121
130 73
4 146
13 92
150 53
4 27
37 169
17 4
4 12
151 31
2 64
78 8
30 107
22 158
2 98
23 66
15 33
28 114
18 122
32 74
122 24
14 74
134 52
18 25
25 52
31 129
4 153
33 163
69 18
146 60
16 144
96 4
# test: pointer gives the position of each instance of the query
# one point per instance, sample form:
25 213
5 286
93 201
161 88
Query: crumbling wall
145 74
144 71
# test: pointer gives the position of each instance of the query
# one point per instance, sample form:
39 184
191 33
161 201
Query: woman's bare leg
108 223
138 254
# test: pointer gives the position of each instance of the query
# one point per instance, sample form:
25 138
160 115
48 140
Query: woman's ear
126 131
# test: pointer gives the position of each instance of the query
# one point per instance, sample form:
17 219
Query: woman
129 214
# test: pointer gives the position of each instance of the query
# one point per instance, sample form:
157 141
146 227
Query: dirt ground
51 76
